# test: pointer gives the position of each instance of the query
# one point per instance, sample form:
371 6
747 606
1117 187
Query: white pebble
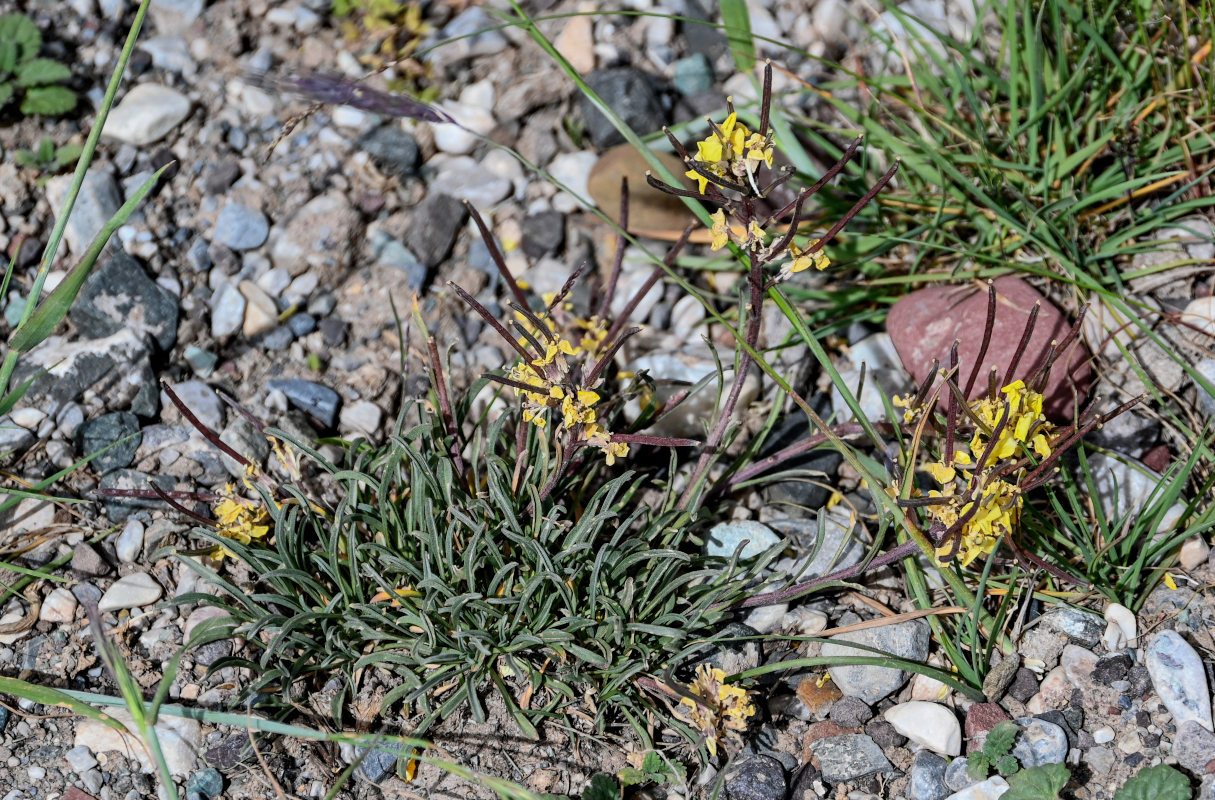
929 724
1193 553
1103 735
135 590
130 541
1121 630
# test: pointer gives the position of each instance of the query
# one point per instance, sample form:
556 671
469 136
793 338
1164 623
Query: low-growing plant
48 158
996 753
22 73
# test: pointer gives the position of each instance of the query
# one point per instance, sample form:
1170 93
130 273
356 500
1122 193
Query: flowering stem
445 412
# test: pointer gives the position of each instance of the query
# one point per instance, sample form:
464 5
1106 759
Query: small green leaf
8 57
21 31
48 100
26 158
42 71
1038 783
68 154
601 787
46 150
1160 782
6 93
1007 766
978 765
1000 740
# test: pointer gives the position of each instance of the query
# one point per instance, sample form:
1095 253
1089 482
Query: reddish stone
1157 458
982 717
924 324
75 794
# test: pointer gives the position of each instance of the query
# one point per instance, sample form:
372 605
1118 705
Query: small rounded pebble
929 724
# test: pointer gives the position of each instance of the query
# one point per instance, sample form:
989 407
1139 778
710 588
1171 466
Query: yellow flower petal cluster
722 711
969 479
723 233
803 260
732 152
239 520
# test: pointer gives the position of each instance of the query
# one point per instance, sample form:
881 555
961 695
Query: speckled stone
845 758
1179 678
906 640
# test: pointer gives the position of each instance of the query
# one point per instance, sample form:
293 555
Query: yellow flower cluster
731 152
239 521
803 260
982 480
722 710
723 233
549 386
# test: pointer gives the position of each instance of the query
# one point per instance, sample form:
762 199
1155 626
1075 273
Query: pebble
1179 678
630 94
757 777
244 438
753 537
312 398
1054 692
804 621
319 235
1206 400
1193 746
544 234
380 763
987 790
227 311
392 149
957 776
692 75
170 53
134 591
907 640
1078 664
1039 742
261 314
87 562
240 227
1082 627
1111 669
130 541
465 179
931 725
119 294
1103 735
477 33
1194 553
363 417
80 759
926 778
390 252
179 739
850 712
572 171
118 431
202 401
146 114
59 606
576 43
1198 318
847 757
98 200
207 782
434 225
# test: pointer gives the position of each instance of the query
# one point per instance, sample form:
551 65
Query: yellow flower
759 148
721 230
239 521
942 474
722 710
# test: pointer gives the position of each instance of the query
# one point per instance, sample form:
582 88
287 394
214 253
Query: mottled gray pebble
907 640
240 227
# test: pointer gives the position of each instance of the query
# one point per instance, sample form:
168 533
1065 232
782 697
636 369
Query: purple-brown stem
496 255
765 108
667 261
445 412
856 209
497 326
672 190
783 243
207 433
792 451
148 494
1023 345
988 327
531 317
608 355
951 407
847 573
560 296
655 441
718 180
828 175
678 145
163 495
605 302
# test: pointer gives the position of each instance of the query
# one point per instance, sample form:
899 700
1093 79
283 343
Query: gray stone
129 543
907 640
313 398
630 94
1039 742
543 233
926 778
241 228
207 654
754 538
218 179
735 656
389 252
1111 668
1080 626
80 759
231 751
13 437
479 32
146 114
245 439
380 763
118 431
957 777
841 545
227 310
170 53
99 199
118 509
301 324
693 75
756 777
119 294
87 563
175 14
883 373
989 789
1206 790
1206 400
1179 678
469 181
392 150
202 361
847 757
133 591
208 783
434 225
322 234
850 712
202 401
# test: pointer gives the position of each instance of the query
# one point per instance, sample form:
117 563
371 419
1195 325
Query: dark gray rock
279 337
1140 680
312 398
1024 685
756 778
119 294
220 176
704 36
1058 718
380 763
86 594
109 431
1110 668
882 732
207 654
926 778
907 640
392 150
999 678
434 225
543 233
957 777
799 490
116 368
244 438
850 712
301 324
231 751
628 92
847 757
1081 627
88 563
